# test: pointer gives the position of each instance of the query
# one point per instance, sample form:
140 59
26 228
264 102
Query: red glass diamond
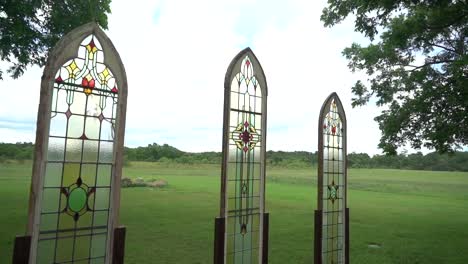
246 124
91 44
59 79
246 136
333 130
245 149
68 113
115 90
247 63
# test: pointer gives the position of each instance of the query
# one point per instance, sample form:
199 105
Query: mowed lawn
416 216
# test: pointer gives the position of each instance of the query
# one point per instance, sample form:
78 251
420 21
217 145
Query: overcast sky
176 54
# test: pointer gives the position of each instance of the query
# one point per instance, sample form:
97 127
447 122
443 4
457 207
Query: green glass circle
77 199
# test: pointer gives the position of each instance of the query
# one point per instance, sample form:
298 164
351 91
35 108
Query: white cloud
176 54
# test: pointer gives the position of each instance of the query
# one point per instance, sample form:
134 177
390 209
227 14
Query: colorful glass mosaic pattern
244 179
76 194
333 188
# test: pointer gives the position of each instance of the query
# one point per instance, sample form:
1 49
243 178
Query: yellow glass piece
91 48
72 69
105 76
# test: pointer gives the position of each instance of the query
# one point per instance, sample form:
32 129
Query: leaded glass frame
243 168
332 181
75 190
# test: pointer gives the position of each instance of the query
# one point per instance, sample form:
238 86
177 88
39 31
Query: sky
176 54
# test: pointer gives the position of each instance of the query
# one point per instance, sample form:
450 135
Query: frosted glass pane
61 102
48 222
90 151
234 119
88 174
104 175
53 175
45 251
106 130
50 200
97 261
235 85
258 122
257 154
100 218
64 249
247 255
234 100
98 246
106 152
56 149
92 128
79 103
71 173
75 126
82 245
234 153
258 106
102 198
74 148
93 105
66 222
86 220
58 125
107 112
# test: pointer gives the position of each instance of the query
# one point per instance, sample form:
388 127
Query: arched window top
332 106
245 66
90 44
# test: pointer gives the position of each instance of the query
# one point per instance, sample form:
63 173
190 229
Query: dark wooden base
220 227
266 232
218 253
347 235
23 246
118 252
21 249
318 237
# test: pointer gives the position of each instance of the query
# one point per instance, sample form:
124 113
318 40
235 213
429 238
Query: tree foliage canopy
29 29
417 68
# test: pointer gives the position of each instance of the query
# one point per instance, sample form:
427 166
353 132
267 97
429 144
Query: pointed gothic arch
332 216
75 190
240 238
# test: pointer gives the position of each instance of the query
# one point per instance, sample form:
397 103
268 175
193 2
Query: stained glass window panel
244 174
73 227
333 181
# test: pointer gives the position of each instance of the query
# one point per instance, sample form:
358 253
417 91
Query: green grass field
416 216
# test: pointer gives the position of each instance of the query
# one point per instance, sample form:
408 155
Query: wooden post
218 253
266 227
347 236
119 245
318 237
21 249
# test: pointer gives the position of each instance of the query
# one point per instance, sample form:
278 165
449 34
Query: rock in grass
140 182
126 182
157 183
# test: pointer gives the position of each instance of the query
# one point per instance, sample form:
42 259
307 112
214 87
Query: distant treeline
457 161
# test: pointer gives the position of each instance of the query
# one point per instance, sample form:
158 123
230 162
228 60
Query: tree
28 29
417 68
